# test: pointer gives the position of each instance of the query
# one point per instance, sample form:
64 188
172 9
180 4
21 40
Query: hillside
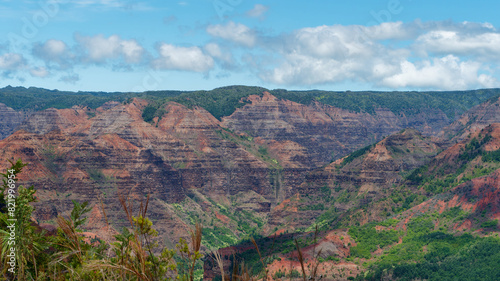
474 156
474 120
428 112
436 236
246 162
358 183
364 196
454 235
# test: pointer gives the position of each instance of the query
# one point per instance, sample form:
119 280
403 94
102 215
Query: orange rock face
76 156
314 133
473 197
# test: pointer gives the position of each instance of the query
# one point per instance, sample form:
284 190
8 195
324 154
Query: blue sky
133 45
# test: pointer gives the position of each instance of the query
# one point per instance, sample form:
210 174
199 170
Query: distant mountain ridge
426 111
366 101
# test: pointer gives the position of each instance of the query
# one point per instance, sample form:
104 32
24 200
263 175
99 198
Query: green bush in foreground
29 253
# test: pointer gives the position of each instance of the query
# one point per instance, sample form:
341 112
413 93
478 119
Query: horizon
136 46
250 86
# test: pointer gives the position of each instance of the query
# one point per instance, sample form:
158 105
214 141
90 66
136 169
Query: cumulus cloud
99 49
440 73
235 32
53 52
330 54
258 11
183 58
40 72
338 53
215 51
484 44
418 55
11 61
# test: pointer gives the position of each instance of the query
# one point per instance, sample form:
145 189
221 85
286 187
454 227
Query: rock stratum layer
243 173
9 120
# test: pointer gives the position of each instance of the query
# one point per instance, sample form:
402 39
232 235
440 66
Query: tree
19 237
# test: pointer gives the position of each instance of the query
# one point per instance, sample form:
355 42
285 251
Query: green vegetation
389 223
326 191
423 253
153 110
218 237
224 101
447 258
248 224
329 258
325 220
455 213
250 146
492 156
219 102
30 253
356 154
427 254
52 159
33 98
312 207
490 224
410 103
96 175
368 239
437 177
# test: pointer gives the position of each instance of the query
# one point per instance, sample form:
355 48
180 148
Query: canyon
272 167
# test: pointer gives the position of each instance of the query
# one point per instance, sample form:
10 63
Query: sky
134 46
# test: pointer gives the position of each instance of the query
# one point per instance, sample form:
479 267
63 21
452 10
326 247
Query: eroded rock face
354 183
473 120
382 165
74 156
252 161
320 132
9 120
479 198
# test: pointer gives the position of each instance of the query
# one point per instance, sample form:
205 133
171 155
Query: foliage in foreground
30 253
134 255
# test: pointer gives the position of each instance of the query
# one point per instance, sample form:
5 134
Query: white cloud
235 32
335 54
54 51
183 58
54 48
304 69
99 48
11 61
40 72
131 50
331 54
441 73
339 41
258 11
483 44
430 55
215 51
389 31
